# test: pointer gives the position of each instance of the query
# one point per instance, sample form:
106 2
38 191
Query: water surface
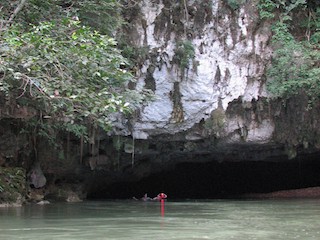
218 219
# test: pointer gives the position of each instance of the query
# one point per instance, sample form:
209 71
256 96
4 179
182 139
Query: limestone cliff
205 61
231 53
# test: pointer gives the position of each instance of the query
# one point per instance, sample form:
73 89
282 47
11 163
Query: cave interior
214 180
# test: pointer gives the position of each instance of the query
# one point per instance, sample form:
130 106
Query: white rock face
231 53
258 133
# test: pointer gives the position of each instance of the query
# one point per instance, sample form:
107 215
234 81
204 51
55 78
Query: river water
216 219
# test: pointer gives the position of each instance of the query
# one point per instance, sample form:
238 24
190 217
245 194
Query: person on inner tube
145 198
160 196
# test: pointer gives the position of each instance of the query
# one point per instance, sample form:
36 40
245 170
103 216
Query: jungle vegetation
61 58
295 66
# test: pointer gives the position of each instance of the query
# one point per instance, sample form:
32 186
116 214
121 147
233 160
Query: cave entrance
215 180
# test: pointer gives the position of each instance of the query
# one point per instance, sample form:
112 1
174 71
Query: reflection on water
219 219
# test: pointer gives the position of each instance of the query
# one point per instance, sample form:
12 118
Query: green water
218 219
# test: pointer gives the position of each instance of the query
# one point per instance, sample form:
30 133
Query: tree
73 75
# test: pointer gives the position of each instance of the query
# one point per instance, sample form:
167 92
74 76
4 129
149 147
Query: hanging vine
186 17
132 154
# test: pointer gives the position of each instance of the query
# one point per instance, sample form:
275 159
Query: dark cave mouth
214 180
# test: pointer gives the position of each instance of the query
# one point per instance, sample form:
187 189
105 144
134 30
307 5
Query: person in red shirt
160 196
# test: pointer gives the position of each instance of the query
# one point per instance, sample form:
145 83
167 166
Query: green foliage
314 26
12 184
281 35
184 53
295 64
287 70
4 86
235 4
102 15
70 71
266 9
295 73
72 74
135 55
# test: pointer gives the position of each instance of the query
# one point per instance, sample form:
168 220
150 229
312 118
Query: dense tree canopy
54 59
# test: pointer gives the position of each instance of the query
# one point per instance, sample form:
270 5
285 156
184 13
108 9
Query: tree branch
16 11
